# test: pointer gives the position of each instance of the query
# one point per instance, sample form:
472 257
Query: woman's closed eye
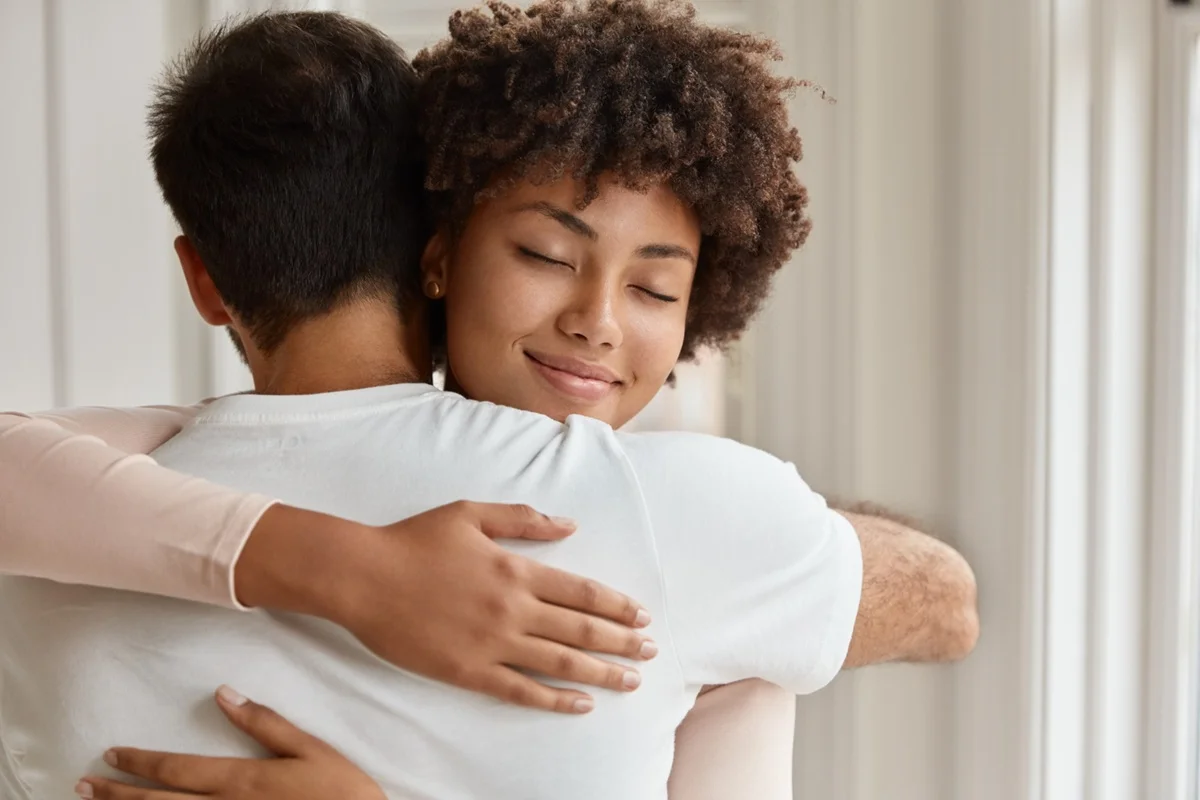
542 258
545 259
659 296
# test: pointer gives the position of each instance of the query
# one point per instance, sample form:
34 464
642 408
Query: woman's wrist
298 560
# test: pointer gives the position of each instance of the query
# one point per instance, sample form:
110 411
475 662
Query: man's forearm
918 598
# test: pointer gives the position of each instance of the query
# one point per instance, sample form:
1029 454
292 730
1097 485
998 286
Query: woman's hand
434 594
305 768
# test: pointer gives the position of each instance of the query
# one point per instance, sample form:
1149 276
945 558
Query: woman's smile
573 377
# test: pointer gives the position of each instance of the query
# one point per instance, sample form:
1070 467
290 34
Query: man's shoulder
696 453
505 438
698 485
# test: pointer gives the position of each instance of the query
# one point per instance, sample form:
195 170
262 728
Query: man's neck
355 346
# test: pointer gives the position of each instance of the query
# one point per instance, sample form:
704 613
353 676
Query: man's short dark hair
285 145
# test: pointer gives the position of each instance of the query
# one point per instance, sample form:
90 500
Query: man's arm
918 595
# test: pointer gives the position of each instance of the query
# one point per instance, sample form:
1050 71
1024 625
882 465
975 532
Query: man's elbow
961 641
960 623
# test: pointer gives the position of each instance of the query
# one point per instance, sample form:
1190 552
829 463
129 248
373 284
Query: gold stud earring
433 289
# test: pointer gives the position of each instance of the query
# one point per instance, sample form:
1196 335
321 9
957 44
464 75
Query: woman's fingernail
632 680
231 697
110 757
643 618
649 649
565 522
85 790
583 705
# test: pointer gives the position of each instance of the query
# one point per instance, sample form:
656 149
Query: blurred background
995 328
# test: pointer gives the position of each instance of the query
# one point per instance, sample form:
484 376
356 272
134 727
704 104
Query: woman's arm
77 507
130 430
736 742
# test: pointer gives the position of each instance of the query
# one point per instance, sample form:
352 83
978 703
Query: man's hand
435 595
304 767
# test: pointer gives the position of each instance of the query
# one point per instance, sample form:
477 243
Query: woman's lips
574 378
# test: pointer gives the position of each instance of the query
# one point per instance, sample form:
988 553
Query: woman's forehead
614 206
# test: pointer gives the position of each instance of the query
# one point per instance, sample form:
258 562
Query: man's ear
435 266
205 296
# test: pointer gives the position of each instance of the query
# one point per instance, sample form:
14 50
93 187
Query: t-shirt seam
818 667
329 415
662 581
822 661
14 758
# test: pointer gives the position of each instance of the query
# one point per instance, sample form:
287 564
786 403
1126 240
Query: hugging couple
556 206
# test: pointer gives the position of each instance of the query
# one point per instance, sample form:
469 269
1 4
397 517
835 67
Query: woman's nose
594 317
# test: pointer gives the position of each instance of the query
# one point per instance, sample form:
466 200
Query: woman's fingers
501 521
511 686
92 788
583 594
201 774
265 726
565 663
586 632
104 789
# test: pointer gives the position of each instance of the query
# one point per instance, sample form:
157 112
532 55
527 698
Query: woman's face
561 311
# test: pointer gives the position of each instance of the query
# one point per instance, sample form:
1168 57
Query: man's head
285 145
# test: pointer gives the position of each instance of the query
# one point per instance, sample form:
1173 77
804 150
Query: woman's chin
551 403
559 410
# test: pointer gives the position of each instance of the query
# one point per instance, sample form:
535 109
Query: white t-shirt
745 570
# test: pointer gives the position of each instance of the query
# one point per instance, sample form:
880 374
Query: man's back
93 668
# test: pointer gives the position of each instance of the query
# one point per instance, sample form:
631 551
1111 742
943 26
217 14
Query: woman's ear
204 293
435 266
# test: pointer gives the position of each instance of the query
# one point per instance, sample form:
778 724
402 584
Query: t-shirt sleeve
762 579
81 503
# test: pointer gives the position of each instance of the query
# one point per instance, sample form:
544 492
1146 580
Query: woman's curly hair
638 89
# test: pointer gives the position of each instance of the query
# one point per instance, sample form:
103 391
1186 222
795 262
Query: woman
543 129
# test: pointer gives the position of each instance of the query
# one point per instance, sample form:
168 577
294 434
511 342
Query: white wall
87 309
969 344
851 360
27 299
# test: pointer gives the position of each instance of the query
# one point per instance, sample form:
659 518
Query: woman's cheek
653 359
663 332
528 300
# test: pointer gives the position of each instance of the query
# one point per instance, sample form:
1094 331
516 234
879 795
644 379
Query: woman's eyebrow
666 251
577 226
563 217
